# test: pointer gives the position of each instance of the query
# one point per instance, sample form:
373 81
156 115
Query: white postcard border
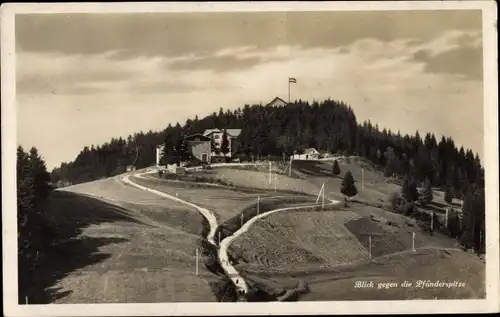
9 144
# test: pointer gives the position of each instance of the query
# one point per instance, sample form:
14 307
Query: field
225 202
258 178
338 283
134 247
319 245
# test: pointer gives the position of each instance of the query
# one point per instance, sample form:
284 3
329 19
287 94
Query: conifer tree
426 196
348 188
409 190
224 147
336 168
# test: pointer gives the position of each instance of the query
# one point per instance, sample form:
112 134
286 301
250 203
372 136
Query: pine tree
224 148
348 188
426 196
40 174
336 168
409 190
468 221
181 151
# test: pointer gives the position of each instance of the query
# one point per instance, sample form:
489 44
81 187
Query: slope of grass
299 239
339 283
330 249
141 248
226 203
260 179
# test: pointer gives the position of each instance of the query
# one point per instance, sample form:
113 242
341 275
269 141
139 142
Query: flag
292 80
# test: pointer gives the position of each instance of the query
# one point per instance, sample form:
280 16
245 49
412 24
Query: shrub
406 209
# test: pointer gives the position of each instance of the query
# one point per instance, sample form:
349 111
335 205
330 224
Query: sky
84 78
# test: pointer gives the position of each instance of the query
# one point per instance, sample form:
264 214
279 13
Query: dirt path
223 256
232 273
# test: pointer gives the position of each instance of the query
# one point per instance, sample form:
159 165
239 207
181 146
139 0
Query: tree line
33 188
277 131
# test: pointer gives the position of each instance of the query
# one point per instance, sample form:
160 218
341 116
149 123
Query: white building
216 136
309 154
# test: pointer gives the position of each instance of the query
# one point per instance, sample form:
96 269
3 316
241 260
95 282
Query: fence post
446 219
370 247
258 205
413 241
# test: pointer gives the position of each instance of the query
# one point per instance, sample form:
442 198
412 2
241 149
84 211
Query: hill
114 244
315 247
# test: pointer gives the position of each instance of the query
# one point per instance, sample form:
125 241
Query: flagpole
288 90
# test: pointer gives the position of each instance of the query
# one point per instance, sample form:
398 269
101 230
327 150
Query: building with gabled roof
277 102
309 154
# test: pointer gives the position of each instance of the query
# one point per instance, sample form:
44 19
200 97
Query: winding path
230 270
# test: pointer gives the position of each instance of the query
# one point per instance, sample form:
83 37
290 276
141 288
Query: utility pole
323 197
270 174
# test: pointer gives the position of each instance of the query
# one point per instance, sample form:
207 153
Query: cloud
217 63
457 53
175 34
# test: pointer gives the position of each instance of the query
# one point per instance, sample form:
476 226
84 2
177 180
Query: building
309 154
199 146
277 102
216 136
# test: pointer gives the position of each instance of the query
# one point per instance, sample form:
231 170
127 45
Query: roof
276 100
231 132
196 135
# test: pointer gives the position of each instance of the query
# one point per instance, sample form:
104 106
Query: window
216 136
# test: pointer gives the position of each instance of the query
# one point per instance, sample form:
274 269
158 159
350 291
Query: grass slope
309 244
140 248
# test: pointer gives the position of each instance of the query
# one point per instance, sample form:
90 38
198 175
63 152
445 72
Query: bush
406 209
